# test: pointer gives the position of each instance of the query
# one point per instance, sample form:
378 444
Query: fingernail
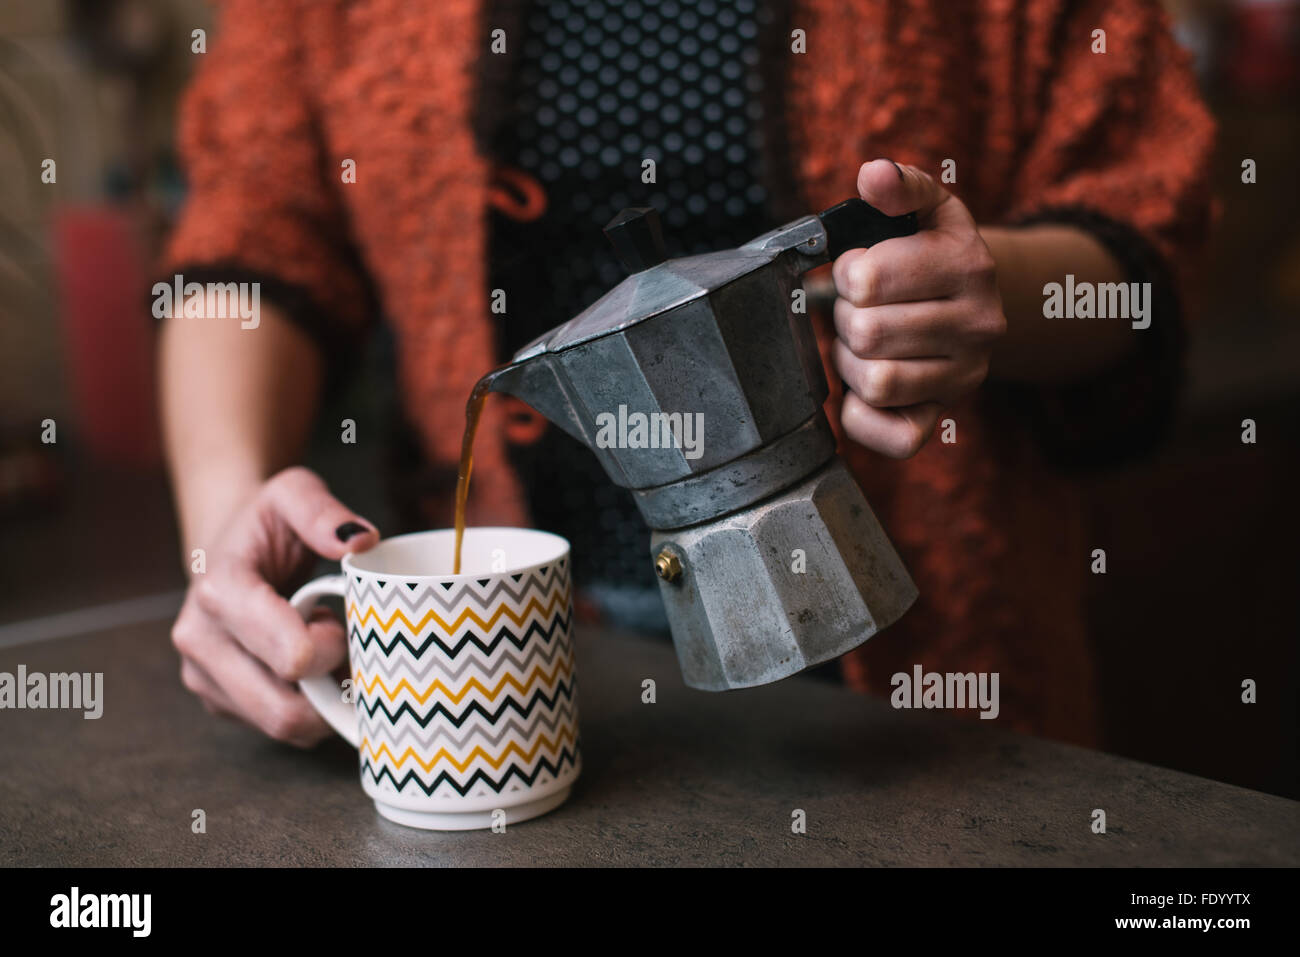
901 177
349 530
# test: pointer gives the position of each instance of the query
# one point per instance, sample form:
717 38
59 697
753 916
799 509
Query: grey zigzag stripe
381 731
407 667
448 600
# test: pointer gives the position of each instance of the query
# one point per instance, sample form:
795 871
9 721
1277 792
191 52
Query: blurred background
1206 584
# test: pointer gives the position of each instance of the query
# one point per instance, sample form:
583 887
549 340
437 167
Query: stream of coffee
473 410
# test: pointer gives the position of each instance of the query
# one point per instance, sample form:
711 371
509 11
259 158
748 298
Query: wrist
1037 350
208 500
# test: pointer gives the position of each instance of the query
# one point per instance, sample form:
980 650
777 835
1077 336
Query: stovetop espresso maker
768 556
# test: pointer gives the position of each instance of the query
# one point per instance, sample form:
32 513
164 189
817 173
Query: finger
198 681
325 525
245 605
259 698
893 383
904 330
895 189
897 433
907 269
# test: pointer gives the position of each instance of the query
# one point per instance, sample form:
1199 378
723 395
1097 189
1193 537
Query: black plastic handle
637 238
855 224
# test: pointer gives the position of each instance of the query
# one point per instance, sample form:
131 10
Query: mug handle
323 691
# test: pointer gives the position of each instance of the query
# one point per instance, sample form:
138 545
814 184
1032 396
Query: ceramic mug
462 699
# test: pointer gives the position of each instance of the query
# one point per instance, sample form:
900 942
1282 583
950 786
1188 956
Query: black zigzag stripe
514 770
535 629
559 622
562 690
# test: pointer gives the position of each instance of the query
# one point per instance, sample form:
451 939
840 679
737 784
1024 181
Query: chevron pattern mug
461 698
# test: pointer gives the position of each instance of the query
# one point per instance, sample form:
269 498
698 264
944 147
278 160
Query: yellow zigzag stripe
450 628
552 751
455 697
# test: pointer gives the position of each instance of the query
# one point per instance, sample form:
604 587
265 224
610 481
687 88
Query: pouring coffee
768 556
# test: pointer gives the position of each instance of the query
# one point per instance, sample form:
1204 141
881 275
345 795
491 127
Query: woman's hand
916 317
242 646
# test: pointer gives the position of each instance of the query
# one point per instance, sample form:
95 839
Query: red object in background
1262 57
108 334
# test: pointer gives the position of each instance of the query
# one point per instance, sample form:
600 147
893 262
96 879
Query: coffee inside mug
486 551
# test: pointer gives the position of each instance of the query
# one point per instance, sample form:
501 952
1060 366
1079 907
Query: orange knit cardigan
1011 92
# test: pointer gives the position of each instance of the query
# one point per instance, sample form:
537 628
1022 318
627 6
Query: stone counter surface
694 779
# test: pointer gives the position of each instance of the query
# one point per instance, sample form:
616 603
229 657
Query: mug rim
561 543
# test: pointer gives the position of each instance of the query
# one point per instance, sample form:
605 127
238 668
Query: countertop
693 779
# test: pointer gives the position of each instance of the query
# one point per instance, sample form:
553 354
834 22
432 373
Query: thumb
322 522
895 189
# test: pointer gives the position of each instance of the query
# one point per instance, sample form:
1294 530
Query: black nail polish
349 530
